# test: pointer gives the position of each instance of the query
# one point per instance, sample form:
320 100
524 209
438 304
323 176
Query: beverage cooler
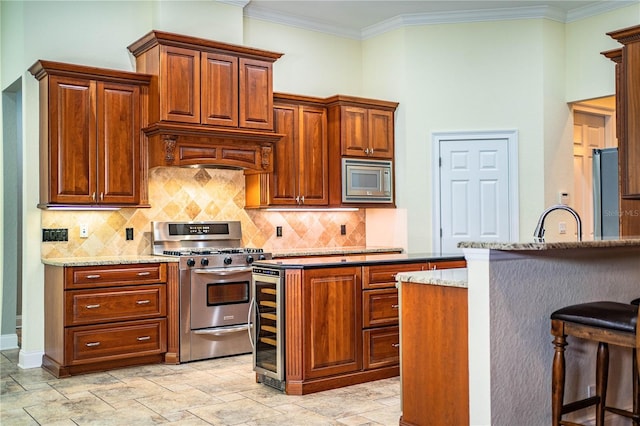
268 326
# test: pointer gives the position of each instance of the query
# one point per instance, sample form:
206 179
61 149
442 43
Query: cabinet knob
144 274
93 277
93 197
395 306
92 344
143 338
302 200
395 345
143 302
93 306
366 151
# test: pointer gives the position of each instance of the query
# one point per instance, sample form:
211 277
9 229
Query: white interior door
588 134
475 193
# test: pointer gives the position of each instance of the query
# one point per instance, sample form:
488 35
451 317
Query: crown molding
465 16
239 3
257 12
597 9
400 21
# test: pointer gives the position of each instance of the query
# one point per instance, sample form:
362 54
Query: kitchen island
512 290
341 316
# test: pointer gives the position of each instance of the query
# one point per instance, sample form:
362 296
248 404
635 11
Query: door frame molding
478 135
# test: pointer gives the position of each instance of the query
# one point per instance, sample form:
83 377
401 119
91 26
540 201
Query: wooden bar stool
606 323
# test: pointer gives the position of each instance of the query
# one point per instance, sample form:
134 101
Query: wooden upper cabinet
256 94
362 127
91 147
628 109
207 82
300 175
219 89
180 84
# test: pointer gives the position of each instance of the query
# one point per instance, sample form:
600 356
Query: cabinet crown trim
154 38
42 68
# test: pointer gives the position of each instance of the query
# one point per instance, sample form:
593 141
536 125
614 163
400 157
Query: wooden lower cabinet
434 358
103 317
342 325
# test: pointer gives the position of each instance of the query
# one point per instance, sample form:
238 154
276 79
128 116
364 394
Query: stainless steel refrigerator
606 217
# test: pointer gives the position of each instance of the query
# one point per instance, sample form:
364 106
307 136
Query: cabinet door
354 130
256 94
284 179
179 84
119 141
312 156
380 130
333 321
219 79
72 140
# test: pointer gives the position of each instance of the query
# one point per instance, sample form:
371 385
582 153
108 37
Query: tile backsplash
187 194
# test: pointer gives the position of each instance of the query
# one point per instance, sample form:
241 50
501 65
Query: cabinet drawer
381 347
110 342
116 275
448 264
115 304
379 307
381 276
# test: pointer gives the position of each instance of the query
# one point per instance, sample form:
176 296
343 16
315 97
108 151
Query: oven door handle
222 272
223 331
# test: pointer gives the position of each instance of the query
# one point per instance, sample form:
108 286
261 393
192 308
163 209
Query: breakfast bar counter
512 290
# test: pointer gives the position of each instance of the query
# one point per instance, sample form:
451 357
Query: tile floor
212 392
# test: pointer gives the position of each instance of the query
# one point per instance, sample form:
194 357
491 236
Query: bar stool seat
606 323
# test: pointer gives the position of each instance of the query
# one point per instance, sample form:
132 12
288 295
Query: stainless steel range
215 285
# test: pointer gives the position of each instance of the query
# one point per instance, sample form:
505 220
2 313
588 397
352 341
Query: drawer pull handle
395 306
395 345
93 306
144 274
93 277
143 338
143 302
92 344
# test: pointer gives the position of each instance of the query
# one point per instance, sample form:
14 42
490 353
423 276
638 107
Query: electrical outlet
278 231
591 391
562 227
343 229
129 234
57 234
84 231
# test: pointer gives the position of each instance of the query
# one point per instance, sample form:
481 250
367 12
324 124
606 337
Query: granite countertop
354 260
333 251
456 277
623 242
108 260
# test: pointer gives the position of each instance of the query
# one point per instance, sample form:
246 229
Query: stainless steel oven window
219 294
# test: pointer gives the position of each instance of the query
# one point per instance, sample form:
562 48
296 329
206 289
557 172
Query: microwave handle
386 181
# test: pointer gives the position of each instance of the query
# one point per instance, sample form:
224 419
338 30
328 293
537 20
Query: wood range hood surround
210 103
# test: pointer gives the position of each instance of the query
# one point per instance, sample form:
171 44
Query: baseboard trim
8 341
30 359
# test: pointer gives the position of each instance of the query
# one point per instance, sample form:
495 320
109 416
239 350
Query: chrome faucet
539 232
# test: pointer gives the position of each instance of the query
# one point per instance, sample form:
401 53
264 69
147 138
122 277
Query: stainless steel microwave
367 181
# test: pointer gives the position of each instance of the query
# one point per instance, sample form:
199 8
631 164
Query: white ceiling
365 18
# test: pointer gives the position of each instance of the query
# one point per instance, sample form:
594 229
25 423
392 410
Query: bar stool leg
636 389
602 376
557 380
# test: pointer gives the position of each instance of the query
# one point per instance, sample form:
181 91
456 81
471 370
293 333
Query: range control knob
262 257
249 259
227 260
191 262
204 261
